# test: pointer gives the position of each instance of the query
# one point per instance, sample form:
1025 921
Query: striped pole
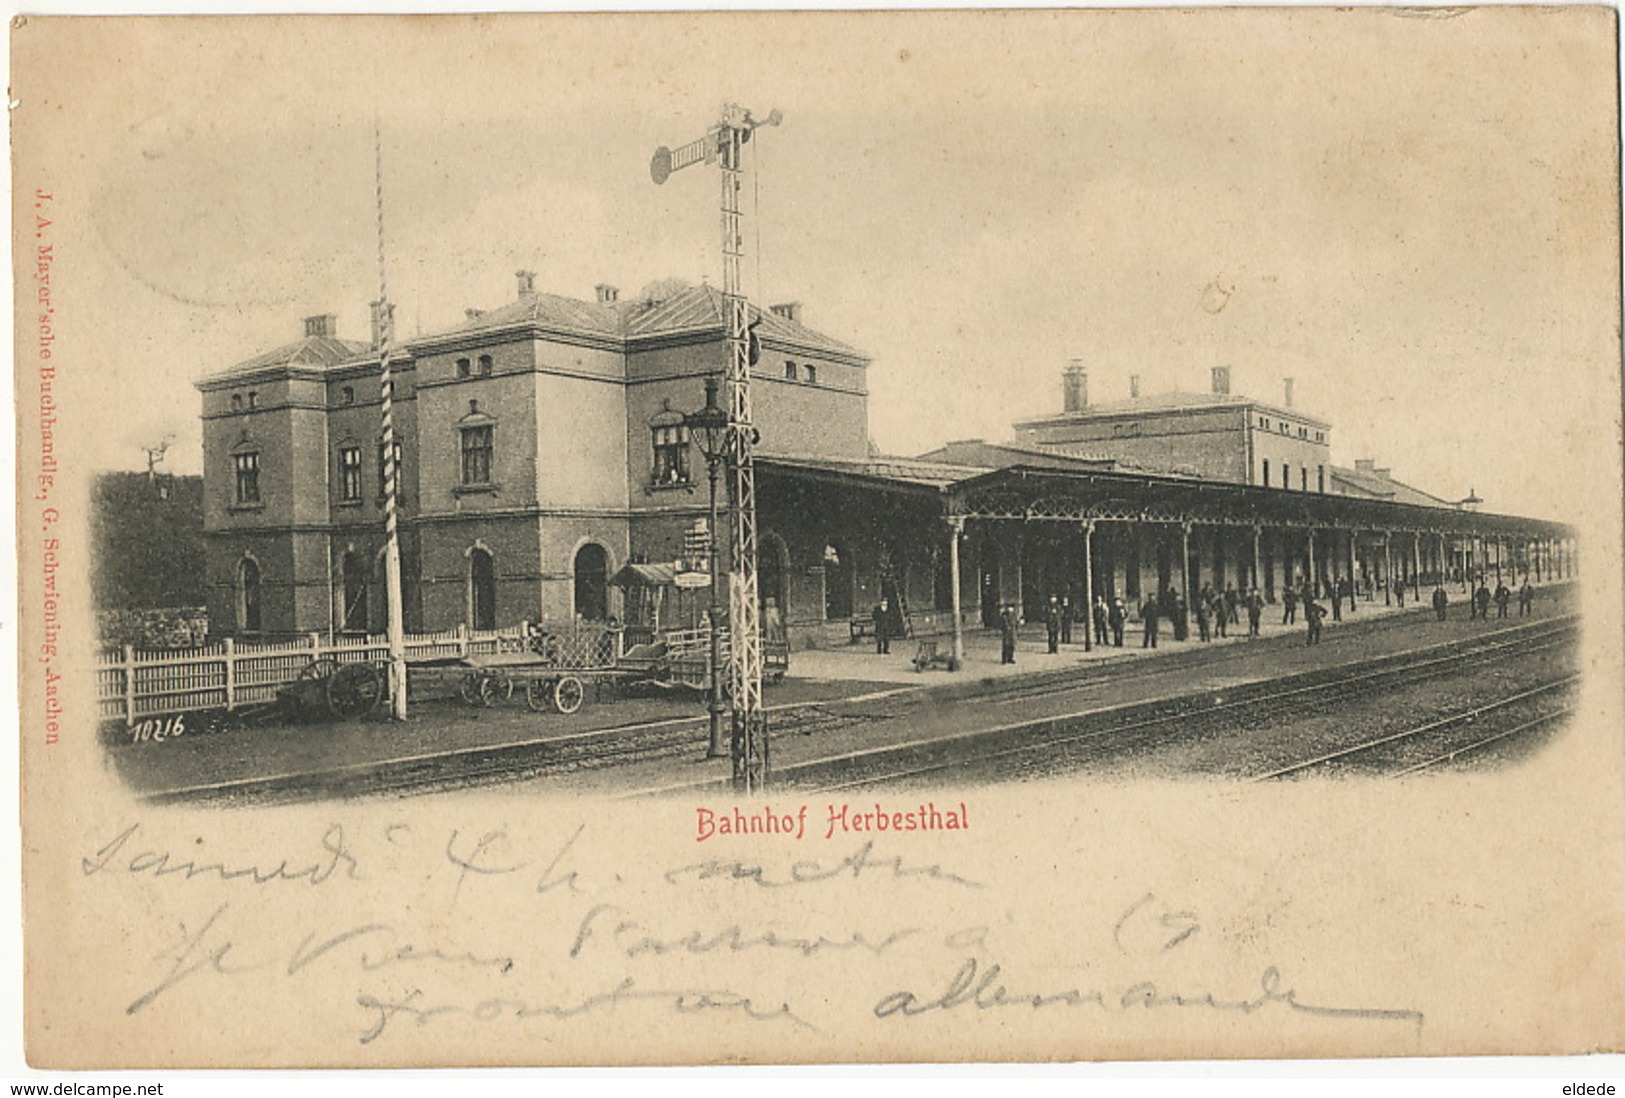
392 542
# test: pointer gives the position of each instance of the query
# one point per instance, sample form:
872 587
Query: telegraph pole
724 144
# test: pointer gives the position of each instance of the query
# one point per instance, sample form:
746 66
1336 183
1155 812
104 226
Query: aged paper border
1611 622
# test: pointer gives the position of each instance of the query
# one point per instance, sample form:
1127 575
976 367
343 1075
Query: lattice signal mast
723 145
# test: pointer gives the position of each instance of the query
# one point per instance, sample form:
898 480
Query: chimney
789 310
527 283
1365 465
1134 386
1075 387
1385 474
1287 385
378 323
607 294
326 325
473 314
1221 381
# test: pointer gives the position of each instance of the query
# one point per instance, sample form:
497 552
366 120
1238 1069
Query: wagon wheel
568 694
502 684
319 670
355 690
539 695
478 688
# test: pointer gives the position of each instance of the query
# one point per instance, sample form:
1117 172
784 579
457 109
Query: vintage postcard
819 537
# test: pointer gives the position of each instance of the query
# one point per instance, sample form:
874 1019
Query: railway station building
546 474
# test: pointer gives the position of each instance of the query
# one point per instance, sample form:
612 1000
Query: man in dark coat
1116 617
1312 613
1204 609
1289 602
1052 624
1149 612
1398 584
1067 617
1440 601
1336 592
1255 611
1007 631
1526 598
1481 600
1503 595
1101 616
882 619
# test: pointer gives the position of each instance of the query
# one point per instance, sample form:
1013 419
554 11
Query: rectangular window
671 454
347 395
248 477
1266 472
810 372
1286 476
485 365
1320 475
462 367
1303 479
350 474
477 455
790 371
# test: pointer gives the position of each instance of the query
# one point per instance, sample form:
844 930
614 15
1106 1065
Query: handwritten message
530 931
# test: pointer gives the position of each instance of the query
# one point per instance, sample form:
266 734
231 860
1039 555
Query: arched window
248 596
837 583
482 590
592 582
354 616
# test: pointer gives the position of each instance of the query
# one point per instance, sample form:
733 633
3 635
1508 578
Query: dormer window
810 372
485 366
790 373
464 369
253 399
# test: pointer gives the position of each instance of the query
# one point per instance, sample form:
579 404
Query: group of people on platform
1216 611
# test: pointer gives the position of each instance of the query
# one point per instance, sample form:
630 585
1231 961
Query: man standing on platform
1052 624
1101 616
1289 602
1148 616
1116 617
1312 613
1255 611
1440 601
1067 616
1526 598
1502 596
882 620
1007 630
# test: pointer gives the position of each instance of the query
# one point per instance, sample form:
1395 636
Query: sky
1414 217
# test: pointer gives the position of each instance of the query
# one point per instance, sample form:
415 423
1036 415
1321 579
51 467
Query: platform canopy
1031 494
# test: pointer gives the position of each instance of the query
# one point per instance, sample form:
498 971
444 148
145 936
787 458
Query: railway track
562 756
1444 740
1032 748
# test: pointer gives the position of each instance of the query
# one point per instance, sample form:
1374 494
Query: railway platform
836 703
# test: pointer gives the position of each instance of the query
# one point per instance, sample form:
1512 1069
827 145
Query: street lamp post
709 427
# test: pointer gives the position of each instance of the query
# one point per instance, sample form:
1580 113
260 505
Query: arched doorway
354 612
592 582
771 563
837 583
482 590
248 596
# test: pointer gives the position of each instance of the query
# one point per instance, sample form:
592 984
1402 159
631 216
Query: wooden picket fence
133 684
